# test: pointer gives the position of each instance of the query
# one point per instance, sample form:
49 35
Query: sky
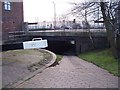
43 10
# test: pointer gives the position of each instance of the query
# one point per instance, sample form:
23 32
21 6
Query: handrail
34 39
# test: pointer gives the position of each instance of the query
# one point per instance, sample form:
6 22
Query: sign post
35 43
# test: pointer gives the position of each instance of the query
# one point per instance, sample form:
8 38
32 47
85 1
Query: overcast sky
43 10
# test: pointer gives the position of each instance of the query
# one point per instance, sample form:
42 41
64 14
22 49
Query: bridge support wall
83 44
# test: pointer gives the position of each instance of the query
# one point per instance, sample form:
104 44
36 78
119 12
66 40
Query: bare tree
84 11
109 15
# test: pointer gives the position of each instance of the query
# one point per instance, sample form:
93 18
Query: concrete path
72 72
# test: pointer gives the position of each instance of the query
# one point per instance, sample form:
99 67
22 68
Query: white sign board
35 44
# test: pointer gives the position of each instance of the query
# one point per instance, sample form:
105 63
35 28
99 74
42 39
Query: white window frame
7 6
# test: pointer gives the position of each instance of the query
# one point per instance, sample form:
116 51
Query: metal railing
67 30
16 35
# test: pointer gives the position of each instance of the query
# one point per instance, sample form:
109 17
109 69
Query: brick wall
12 19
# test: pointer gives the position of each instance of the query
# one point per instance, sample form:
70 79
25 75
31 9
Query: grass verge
59 57
103 59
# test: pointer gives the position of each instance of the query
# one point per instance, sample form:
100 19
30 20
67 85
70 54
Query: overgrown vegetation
59 58
103 59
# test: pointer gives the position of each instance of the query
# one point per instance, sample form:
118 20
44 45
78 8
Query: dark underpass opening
61 47
58 47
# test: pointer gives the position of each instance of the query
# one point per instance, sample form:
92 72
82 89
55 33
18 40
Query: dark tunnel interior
58 47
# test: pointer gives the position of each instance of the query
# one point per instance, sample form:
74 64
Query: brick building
12 18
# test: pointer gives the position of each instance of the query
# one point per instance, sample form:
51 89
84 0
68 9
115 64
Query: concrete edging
37 71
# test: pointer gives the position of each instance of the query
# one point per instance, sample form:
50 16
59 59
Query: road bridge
82 40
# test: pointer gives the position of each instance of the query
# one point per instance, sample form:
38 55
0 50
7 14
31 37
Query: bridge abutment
77 47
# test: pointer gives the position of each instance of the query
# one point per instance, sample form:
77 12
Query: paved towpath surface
72 72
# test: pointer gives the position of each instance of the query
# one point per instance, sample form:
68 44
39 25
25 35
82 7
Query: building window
7 5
